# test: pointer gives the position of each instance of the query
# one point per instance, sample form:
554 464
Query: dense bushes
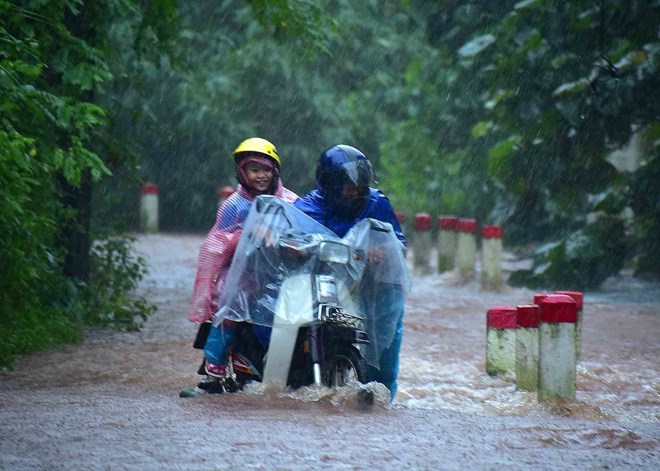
51 75
55 310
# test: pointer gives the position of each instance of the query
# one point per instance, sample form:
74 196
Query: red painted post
422 243
557 352
447 236
527 347
491 257
466 247
149 207
578 297
501 339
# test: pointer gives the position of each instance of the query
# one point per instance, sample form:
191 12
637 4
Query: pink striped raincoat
217 250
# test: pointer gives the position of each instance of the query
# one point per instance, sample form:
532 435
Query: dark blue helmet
342 166
339 167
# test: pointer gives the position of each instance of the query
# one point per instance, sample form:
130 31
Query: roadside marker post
491 257
557 349
527 347
578 297
466 247
149 208
501 340
422 243
447 237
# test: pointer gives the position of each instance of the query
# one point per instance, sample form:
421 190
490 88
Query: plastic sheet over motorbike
287 266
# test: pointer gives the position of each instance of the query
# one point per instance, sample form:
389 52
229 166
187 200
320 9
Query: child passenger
258 173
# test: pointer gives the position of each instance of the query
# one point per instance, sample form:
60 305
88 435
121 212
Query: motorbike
297 293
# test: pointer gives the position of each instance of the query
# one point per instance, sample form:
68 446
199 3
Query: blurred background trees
539 115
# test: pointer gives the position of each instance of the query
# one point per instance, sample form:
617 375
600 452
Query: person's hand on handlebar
375 255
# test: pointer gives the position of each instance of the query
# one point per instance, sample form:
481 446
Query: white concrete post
557 353
447 237
224 193
527 347
149 208
491 257
466 247
500 340
422 244
578 297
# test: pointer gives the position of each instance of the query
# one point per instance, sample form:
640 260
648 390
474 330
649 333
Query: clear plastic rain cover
283 262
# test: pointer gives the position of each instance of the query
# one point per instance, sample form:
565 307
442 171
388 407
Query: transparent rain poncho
217 251
279 242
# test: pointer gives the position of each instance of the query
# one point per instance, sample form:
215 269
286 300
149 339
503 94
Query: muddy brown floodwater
112 402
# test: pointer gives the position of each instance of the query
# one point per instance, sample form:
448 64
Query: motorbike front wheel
342 366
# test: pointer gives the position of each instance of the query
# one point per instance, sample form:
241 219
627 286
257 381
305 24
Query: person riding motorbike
341 199
258 173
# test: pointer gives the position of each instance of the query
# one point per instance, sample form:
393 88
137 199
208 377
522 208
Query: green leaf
481 128
476 46
500 155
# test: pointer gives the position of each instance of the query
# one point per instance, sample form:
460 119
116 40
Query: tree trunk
76 230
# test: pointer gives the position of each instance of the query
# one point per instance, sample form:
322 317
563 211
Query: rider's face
352 191
258 177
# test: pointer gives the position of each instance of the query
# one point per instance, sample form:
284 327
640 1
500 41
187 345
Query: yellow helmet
259 146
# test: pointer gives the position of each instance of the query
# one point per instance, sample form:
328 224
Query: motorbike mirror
263 202
380 226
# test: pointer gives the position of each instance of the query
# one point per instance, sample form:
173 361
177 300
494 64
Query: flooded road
112 402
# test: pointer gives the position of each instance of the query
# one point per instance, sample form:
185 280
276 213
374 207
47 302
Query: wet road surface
112 402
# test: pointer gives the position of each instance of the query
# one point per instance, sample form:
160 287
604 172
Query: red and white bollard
447 236
149 208
224 193
491 257
501 340
466 247
527 347
557 352
578 297
422 243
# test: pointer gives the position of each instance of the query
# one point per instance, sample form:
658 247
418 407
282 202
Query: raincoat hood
264 162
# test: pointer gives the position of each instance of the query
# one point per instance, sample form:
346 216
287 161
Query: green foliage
35 330
505 110
548 90
297 20
645 203
581 261
247 77
110 299
401 154
55 313
51 69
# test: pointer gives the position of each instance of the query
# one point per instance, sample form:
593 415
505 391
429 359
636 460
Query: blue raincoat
390 297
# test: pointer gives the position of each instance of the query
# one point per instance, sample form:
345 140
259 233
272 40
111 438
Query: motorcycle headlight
334 252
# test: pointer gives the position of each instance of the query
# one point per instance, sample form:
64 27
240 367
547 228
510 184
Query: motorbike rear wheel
342 366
